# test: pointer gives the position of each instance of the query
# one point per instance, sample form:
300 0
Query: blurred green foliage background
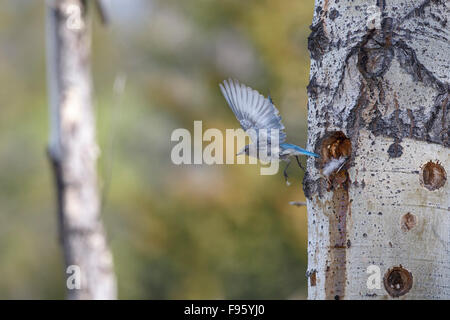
177 232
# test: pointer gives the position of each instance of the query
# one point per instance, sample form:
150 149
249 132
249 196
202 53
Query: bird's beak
241 152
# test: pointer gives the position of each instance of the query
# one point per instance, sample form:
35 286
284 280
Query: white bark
379 94
73 150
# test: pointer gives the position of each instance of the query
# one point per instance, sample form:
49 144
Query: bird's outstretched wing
251 108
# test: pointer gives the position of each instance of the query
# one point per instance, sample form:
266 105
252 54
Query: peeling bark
379 92
73 151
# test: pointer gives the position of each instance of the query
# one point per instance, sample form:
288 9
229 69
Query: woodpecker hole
398 281
433 175
335 150
334 146
408 222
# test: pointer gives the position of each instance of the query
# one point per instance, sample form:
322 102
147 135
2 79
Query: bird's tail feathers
299 150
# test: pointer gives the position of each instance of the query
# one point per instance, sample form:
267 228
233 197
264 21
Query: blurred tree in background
191 231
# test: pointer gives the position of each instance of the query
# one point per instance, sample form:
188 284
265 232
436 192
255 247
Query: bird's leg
300 164
285 171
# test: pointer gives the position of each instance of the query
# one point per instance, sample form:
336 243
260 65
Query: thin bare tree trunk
379 95
73 152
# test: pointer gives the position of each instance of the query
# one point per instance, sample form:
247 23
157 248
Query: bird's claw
286 177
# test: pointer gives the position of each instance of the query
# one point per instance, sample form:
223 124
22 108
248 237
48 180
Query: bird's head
244 150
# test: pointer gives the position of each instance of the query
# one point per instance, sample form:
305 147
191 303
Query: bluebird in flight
255 112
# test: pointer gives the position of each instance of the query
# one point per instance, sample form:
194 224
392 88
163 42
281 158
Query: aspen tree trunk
379 95
73 152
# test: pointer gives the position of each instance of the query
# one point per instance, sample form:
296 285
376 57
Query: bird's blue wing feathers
252 110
